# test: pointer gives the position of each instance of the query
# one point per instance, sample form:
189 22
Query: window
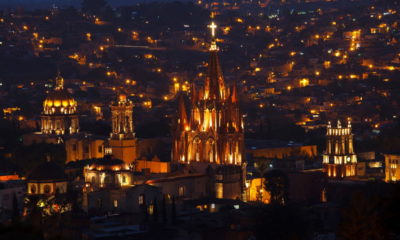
123 179
47 189
74 147
33 189
181 191
141 199
100 149
115 203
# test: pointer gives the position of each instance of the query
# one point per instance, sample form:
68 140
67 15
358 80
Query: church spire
234 95
214 87
182 121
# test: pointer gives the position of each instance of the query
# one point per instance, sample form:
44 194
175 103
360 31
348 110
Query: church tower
214 132
339 158
122 138
59 115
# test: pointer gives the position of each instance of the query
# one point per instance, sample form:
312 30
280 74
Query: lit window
181 191
115 203
141 199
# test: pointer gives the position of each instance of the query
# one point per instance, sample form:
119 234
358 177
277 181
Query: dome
48 171
109 163
59 98
59 101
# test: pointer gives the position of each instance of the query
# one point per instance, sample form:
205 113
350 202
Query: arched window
196 149
46 189
33 189
210 150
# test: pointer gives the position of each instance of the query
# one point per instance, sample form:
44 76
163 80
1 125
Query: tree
362 219
261 166
276 183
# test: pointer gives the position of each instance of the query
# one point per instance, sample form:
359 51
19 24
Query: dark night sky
35 4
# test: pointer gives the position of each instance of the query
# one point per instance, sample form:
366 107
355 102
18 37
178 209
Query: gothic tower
339 158
214 132
211 140
122 138
59 111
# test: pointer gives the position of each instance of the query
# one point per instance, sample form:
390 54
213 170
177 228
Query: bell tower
122 138
339 158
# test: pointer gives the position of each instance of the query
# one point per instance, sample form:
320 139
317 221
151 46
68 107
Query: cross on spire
213 27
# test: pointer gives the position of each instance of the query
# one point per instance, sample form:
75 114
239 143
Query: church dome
48 171
59 101
109 163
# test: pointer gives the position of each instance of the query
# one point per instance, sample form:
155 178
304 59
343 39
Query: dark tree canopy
276 182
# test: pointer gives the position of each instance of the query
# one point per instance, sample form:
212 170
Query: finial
59 81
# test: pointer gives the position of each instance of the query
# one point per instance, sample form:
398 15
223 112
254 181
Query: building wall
187 187
310 151
124 149
153 166
256 191
40 187
80 149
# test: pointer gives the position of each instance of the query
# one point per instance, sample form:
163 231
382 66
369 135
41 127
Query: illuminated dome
59 101
59 111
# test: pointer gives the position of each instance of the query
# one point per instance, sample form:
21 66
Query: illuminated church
339 158
210 140
213 133
59 116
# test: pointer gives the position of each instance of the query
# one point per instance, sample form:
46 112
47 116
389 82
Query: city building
339 158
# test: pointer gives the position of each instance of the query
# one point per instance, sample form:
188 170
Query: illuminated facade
122 138
392 167
107 173
59 112
339 158
214 131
